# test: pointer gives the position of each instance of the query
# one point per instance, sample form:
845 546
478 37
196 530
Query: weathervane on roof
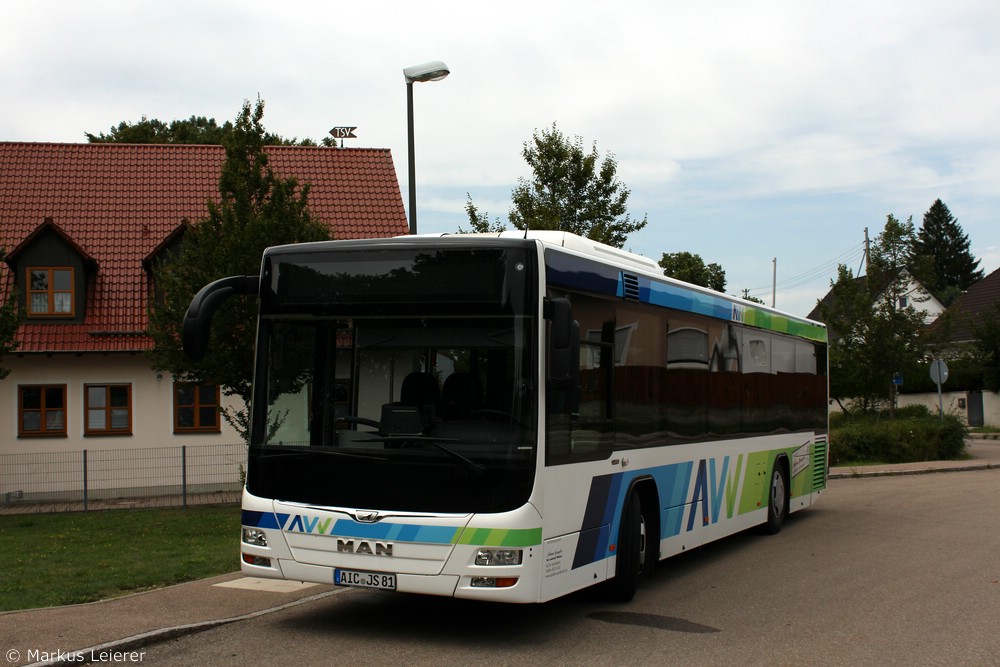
343 132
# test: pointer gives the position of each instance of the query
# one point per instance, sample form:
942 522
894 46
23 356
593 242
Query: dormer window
50 292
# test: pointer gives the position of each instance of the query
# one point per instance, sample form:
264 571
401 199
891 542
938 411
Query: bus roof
651 285
668 291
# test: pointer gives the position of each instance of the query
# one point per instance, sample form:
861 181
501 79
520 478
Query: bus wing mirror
564 343
198 319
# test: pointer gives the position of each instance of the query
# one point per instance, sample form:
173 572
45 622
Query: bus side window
583 430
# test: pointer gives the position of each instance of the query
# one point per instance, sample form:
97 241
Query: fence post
85 480
184 475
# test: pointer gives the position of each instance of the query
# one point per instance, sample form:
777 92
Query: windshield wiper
477 468
296 451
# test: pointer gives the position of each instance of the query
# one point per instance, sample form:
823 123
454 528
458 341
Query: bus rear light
260 561
493 582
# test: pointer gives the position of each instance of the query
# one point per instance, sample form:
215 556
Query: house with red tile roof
979 407
969 308
82 225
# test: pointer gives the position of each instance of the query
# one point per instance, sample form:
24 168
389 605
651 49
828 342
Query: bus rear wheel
777 505
632 551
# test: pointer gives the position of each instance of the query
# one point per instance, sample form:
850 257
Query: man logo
366 516
364 547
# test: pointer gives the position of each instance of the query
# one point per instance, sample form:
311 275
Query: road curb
859 473
144 639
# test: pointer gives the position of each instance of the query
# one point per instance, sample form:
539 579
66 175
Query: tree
571 190
691 268
940 256
194 130
256 209
872 339
480 222
10 318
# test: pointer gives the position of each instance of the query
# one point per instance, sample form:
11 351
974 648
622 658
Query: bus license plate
361 579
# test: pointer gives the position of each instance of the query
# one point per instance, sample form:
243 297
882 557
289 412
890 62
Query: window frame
50 291
108 408
43 432
196 407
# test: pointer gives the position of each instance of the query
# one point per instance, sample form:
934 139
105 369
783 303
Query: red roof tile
118 203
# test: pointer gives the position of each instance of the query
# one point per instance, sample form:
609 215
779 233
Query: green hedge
913 435
964 374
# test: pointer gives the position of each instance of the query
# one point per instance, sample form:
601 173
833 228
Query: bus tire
632 551
777 499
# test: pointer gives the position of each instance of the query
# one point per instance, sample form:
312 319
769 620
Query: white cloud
744 130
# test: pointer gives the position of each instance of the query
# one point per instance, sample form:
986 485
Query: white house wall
950 401
152 404
923 301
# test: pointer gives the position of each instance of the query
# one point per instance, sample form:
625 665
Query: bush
914 434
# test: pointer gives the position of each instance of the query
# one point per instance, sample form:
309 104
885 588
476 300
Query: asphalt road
885 571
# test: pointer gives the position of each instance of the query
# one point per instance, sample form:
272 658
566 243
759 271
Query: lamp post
432 71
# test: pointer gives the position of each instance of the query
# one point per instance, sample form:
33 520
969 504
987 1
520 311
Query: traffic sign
939 371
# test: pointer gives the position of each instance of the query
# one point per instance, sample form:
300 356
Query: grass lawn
57 559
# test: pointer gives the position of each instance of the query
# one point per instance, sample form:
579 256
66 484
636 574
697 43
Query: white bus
511 417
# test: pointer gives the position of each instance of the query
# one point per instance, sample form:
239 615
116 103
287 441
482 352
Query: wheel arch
775 519
649 499
782 460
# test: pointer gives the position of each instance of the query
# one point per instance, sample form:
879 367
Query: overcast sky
746 131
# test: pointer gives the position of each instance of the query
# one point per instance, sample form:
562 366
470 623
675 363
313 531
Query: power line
821 271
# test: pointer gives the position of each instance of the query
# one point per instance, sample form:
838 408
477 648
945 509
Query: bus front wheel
631 551
777 505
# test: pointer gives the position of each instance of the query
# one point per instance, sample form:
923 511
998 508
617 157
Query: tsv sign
344 132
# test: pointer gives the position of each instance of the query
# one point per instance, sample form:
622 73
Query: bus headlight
490 556
255 537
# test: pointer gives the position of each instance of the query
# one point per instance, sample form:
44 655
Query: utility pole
864 258
774 282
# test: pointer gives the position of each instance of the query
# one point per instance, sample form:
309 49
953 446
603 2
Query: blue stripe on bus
597 518
262 519
671 296
570 271
399 532
606 497
673 482
600 519
585 274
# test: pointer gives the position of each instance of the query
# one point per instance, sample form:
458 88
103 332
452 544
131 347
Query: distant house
82 225
915 295
978 407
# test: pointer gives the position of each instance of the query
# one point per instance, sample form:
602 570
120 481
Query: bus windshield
390 384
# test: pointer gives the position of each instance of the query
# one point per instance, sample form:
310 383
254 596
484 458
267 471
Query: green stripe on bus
782 324
500 537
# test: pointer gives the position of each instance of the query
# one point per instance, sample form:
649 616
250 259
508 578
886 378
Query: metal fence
116 478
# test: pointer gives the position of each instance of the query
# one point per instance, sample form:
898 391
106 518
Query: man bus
511 417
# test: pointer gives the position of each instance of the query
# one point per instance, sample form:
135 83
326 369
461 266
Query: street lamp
432 71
